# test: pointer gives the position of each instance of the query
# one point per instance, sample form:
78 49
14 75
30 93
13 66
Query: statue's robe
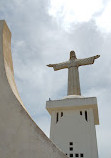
73 74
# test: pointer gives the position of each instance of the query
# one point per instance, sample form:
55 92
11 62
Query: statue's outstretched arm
87 61
59 66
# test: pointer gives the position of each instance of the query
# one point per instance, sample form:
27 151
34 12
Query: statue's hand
50 65
97 56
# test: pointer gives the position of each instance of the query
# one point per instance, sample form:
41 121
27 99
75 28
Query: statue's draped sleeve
85 61
59 66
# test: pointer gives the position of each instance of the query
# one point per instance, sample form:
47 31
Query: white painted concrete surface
20 137
69 123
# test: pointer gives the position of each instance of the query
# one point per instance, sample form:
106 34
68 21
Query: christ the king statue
73 75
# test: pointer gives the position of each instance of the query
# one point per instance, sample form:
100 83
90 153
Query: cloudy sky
44 32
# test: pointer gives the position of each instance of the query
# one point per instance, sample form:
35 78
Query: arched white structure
20 137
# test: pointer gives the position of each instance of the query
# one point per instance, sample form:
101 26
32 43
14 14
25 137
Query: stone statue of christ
73 75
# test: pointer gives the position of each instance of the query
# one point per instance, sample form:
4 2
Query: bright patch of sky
104 20
78 11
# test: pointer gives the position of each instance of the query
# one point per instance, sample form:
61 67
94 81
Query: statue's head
72 55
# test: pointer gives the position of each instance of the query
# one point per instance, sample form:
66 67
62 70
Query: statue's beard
73 58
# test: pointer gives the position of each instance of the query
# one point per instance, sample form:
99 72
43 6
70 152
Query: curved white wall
20 137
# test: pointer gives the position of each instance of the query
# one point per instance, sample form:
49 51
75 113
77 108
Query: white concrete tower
74 117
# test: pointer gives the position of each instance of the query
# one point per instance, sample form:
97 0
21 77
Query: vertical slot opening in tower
80 112
61 114
57 117
86 116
